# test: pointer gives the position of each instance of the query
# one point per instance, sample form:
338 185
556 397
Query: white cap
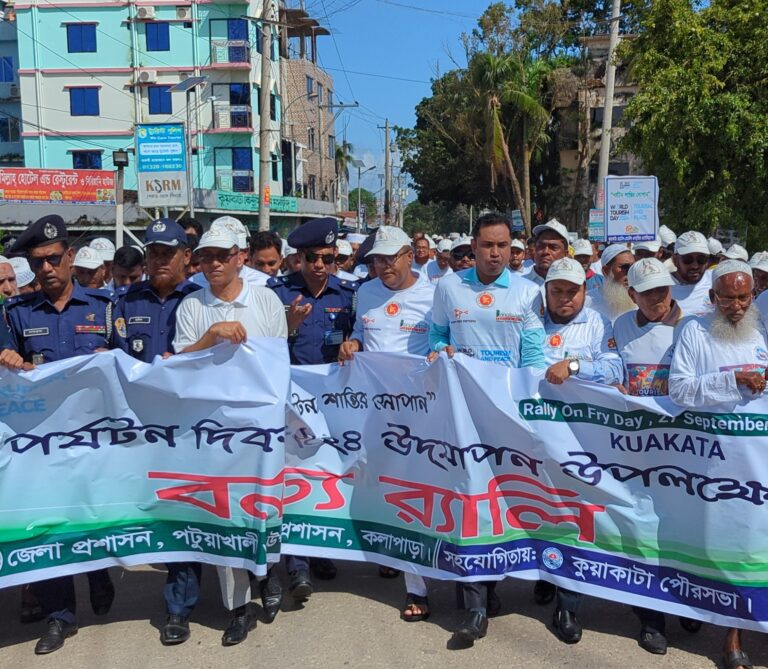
89 258
388 241
730 267
610 253
24 273
666 235
460 241
652 247
287 250
343 247
233 224
431 241
355 238
554 225
757 261
649 273
715 246
453 235
566 269
691 242
220 238
444 246
582 247
517 244
737 252
104 247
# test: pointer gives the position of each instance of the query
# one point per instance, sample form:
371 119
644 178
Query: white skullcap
610 253
730 267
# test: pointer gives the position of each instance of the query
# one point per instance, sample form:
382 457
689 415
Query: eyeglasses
460 255
742 301
624 267
36 264
222 257
327 258
388 261
694 259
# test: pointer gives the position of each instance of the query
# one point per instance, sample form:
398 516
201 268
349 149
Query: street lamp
120 161
359 164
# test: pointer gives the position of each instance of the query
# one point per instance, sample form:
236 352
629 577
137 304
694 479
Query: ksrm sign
161 163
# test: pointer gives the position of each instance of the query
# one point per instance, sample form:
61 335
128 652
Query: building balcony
230 55
232 118
234 181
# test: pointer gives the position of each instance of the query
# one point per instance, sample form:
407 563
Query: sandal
690 625
388 572
735 659
415 602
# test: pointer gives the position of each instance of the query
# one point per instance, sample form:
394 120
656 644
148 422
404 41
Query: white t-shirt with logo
395 321
693 298
434 273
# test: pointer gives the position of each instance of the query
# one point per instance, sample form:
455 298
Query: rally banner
27 185
109 461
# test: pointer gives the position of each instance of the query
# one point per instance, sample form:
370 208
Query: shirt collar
240 301
78 295
671 319
181 289
502 281
581 317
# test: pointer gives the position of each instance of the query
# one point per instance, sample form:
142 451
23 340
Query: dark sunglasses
222 257
327 258
460 255
36 264
694 259
624 267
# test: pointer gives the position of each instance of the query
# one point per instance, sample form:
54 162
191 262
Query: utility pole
387 176
610 81
265 156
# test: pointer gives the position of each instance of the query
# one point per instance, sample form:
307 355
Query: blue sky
393 38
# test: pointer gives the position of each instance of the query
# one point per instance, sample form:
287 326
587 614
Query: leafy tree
435 218
367 200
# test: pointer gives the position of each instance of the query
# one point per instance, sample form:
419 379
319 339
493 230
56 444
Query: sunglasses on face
694 259
222 257
460 255
36 264
624 267
312 258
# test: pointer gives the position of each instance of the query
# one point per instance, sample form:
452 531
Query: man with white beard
721 358
692 280
612 299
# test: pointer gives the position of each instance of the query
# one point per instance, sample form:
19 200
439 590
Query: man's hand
12 360
449 350
348 349
620 388
755 381
558 372
231 331
167 355
297 313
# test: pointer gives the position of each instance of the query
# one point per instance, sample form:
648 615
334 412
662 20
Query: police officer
321 313
62 320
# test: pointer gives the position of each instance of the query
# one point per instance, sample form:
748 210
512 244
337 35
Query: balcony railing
231 52
226 116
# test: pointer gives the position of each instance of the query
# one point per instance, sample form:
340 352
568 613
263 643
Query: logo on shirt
367 320
417 327
485 300
392 309
458 313
555 340
90 317
120 327
504 317
761 354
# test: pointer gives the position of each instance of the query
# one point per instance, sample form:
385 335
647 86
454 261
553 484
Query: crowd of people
678 316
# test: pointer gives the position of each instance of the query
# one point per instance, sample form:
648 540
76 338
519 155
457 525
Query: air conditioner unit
184 13
143 13
14 91
147 76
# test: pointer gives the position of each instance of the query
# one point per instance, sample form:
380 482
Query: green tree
367 200
435 218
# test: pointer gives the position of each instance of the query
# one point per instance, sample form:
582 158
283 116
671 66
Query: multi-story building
11 148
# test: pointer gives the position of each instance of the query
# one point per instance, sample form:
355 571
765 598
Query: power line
378 76
439 12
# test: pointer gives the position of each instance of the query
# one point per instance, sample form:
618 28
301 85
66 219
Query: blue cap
165 231
46 230
318 232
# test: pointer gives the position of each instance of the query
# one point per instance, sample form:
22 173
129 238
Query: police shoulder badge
120 327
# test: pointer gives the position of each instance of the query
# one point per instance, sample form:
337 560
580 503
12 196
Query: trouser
474 595
415 584
57 595
654 620
182 587
568 600
296 563
235 587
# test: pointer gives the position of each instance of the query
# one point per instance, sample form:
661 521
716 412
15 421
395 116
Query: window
158 37
310 87
84 101
273 159
319 93
242 163
329 98
331 146
86 160
160 100
273 107
311 139
7 72
312 189
81 38
258 38
9 129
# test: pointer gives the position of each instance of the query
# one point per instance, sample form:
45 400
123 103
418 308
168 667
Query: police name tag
36 332
139 320
333 338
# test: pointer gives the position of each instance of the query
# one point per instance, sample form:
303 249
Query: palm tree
342 159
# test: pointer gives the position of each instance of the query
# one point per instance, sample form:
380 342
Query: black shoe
690 625
53 639
175 630
567 628
653 641
102 591
300 587
543 592
473 627
494 603
271 595
238 628
323 569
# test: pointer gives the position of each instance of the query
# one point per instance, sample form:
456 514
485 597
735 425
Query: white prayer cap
24 273
555 226
517 244
730 267
649 273
287 250
343 247
610 253
737 252
582 247
757 261
233 224
89 258
104 247
445 245
219 238
355 238
715 247
691 242
453 235
388 241
431 241
666 235
652 246
460 241
566 269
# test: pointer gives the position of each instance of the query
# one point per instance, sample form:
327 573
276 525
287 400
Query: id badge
333 338
38 359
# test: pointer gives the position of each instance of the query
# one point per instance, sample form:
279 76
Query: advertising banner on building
161 164
26 186
631 209
596 229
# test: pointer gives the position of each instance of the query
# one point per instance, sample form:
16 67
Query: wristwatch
573 367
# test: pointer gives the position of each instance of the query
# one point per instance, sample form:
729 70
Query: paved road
350 622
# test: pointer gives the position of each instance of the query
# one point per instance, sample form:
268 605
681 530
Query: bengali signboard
596 230
232 201
631 209
26 186
161 164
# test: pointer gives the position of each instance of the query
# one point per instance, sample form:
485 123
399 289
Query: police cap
166 232
46 230
318 232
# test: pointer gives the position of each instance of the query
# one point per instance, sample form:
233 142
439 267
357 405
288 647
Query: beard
726 332
616 298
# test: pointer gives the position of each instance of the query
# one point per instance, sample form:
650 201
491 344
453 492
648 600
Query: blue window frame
84 101
81 38
86 160
160 100
158 37
242 161
7 72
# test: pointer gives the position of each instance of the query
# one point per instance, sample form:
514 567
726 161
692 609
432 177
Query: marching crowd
678 316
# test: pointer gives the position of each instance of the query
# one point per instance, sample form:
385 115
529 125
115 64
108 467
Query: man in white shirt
692 280
436 269
89 268
721 358
551 243
228 309
462 255
516 256
420 254
612 299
